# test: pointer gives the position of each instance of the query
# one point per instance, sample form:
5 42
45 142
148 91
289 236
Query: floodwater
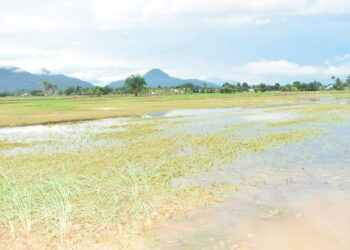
291 197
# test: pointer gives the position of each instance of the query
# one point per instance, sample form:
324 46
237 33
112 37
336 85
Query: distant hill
157 77
14 79
220 81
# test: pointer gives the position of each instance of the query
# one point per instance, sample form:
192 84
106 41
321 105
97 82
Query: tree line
136 84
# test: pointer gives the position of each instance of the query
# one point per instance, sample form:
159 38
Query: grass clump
293 122
5 145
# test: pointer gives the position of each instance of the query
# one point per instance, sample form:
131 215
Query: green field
19 111
105 186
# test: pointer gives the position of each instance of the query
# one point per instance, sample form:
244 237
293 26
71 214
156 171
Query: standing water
292 197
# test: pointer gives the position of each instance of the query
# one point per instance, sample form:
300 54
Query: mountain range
14 79
157 77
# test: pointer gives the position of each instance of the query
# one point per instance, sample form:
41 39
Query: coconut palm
136 83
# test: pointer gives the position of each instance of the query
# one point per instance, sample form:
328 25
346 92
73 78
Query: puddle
70 138
60 138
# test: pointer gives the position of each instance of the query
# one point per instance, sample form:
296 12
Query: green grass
16 111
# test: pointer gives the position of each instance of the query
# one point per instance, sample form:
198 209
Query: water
292 197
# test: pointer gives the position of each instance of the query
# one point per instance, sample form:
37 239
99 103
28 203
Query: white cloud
56 15
42 16
263 21
110 14
106 56
73 62
258 70
345 57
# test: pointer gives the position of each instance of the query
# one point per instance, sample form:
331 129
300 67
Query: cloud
264 69
64 15
42 16
263 21
73 62
345 57
110 14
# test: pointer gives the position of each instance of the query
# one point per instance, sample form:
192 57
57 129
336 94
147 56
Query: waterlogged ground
292 197
269 176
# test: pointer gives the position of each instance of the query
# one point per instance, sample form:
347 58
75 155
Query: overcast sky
243 40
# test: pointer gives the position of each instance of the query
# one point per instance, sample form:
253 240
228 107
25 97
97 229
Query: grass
123 189
294 122
104 196
17 111
5 145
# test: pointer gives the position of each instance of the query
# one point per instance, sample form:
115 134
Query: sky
238 40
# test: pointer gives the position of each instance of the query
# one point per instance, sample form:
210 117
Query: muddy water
292 197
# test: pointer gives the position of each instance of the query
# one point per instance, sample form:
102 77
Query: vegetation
56 109
50 89
117 191
124 184
4 145
135 83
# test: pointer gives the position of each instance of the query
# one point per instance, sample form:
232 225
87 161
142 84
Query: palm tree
205 87
46 86
136 83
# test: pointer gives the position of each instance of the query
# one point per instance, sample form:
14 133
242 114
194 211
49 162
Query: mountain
157 77
220 81
13 79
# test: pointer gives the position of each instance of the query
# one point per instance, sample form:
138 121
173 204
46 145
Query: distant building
178 91
156 92
329 87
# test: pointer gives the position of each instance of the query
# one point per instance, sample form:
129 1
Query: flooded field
265 176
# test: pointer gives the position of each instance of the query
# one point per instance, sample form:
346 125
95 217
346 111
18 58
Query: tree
35 92
46 87
227 88
348 82
261 87
50 88
97 91
298 85
4 94
339 85
205 86
136 83
277 86
70 90
314 86
245 87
